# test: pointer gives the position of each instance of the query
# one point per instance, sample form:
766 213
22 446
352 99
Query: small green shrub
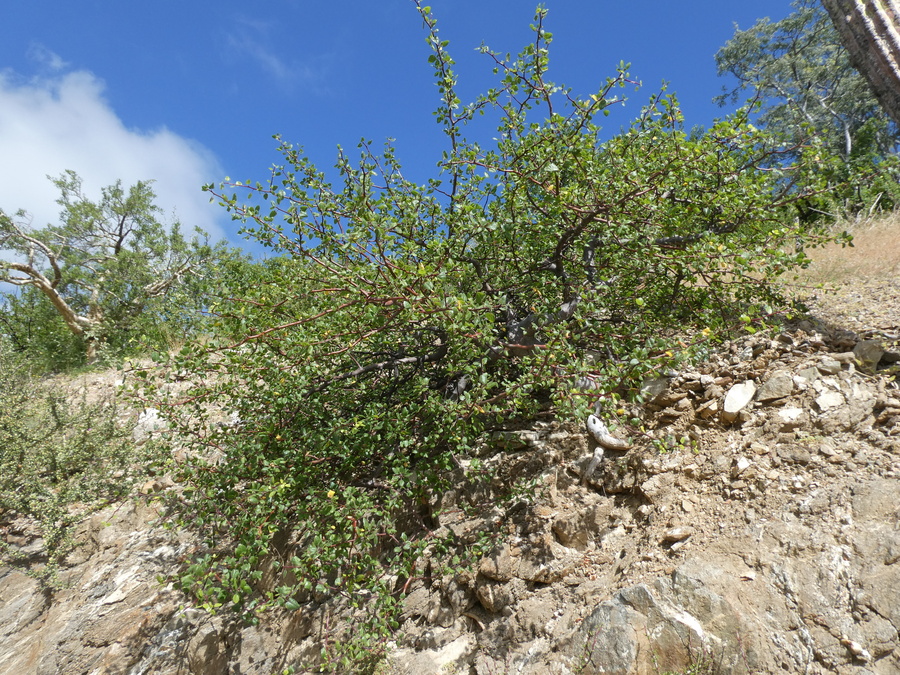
60 458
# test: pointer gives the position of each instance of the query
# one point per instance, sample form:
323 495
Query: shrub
34 331
400 322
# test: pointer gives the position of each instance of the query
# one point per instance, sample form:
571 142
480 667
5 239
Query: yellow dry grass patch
875 254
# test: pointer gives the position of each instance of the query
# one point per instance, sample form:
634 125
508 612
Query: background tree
810 95
105 269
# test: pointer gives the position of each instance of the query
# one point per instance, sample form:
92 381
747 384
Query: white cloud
62 121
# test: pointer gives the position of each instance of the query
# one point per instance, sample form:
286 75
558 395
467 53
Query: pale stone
829 399
708 409
829 366
653 387
827 450
791 418
148 423
676 534
826 384
452 652
502 565
738 397
514 440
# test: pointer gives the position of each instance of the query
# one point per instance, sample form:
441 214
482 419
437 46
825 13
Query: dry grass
875 254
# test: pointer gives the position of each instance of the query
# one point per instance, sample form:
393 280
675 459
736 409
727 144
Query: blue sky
188 92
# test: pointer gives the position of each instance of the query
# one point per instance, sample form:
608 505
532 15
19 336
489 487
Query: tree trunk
79 325
870 31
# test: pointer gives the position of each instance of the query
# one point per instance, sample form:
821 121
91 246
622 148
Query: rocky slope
752 527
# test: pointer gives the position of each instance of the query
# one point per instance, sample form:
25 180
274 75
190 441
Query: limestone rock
495 596
737 399
111 605
676 534
811 374
779 385
514 440
868 353
149 424
708 409
829 366
662 627
502 565
792 418
654 387
829 399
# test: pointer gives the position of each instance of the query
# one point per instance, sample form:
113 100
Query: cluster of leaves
847 189
34 330
811 97
61 457
399 322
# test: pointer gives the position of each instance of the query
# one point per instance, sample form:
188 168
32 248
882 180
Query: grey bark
870 31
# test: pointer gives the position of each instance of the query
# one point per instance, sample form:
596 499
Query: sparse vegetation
61 457
875 253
